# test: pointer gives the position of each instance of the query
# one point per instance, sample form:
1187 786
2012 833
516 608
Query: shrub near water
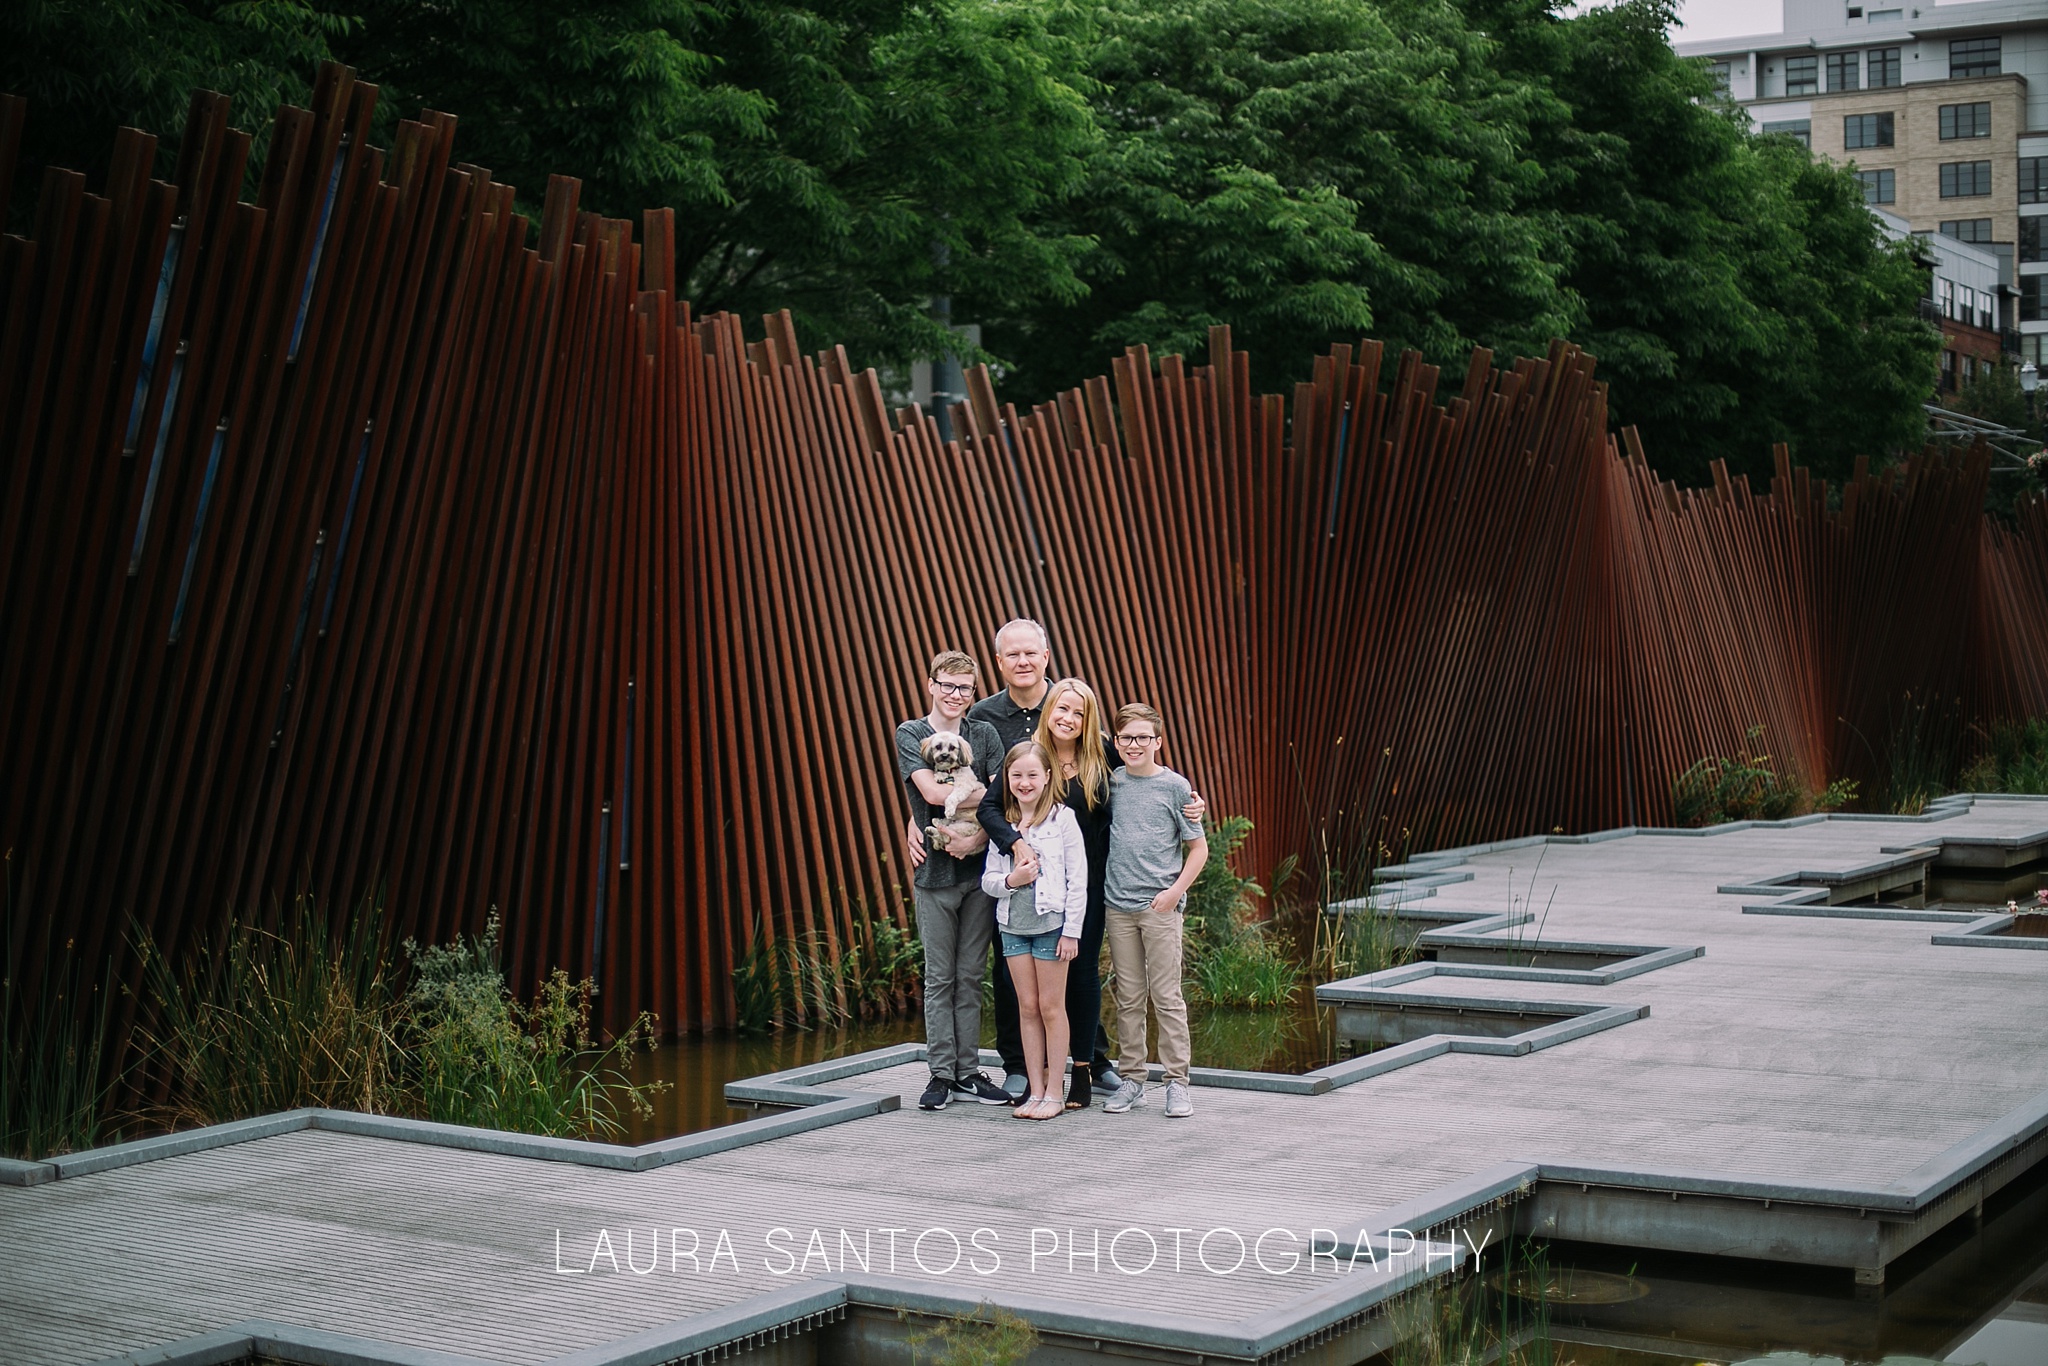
275 1020
482 1058
278 1020
1748 787
1234 959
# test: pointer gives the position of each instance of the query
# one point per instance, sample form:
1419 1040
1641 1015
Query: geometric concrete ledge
1344 1317
822 1110
1985 933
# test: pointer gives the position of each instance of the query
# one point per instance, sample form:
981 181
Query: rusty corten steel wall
350 542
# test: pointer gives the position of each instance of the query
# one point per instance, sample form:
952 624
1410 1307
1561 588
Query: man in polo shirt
1023 649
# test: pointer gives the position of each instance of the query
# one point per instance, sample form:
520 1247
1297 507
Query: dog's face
946 753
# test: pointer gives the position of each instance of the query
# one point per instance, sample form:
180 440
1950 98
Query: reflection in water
1970 1295
1967 1296
698 1067
1298 1038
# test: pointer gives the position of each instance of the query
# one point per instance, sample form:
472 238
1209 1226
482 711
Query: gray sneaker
1129 1094
1108 1079
1180 1101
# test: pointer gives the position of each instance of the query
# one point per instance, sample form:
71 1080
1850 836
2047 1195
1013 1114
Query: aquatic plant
2014 758
480 1057
54 1030
797 981
1747 787
1232 957
265 1020
992 1336
306 1015
1482 1319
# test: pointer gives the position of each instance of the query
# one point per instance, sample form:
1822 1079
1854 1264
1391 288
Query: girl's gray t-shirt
1024 917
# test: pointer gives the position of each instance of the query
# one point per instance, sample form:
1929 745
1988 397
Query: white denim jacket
1062 871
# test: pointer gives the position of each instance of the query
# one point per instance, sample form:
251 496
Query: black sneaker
936 1093
978 1087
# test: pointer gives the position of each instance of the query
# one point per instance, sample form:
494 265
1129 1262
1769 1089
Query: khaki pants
1144 947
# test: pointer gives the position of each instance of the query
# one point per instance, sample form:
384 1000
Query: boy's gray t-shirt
1146 831
942 869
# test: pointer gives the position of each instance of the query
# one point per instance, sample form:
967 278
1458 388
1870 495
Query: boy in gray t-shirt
1155 854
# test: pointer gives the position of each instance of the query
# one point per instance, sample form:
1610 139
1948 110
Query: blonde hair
1055 786
1093 771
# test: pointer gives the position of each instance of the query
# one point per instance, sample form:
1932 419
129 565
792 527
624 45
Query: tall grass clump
1361 939
266 1020
307 1015
1233 957
2014 758
1924 745
1502 1319
1748 787
798 981
482 1058
55 1024
992 1336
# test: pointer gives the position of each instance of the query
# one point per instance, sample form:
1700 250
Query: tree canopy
1082 175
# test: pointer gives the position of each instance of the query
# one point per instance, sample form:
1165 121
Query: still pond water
1968 1296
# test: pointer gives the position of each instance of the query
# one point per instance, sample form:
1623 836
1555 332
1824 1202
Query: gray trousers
956 924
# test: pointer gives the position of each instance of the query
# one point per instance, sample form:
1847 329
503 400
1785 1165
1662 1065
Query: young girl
1039 914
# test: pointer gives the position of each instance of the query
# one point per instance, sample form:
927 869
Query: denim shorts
1044 946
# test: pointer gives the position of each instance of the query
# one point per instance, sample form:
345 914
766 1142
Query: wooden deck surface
1795 1049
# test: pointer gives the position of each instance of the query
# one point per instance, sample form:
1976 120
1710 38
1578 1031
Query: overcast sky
1701 19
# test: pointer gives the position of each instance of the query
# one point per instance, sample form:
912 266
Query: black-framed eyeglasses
954 689
1135 739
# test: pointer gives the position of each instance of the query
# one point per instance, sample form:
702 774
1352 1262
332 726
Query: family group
1031 828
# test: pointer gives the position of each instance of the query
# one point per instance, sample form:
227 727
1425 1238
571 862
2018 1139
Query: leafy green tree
1307 171
846 161
88 67
1736 291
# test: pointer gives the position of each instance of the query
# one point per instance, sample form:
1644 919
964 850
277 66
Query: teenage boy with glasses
955 918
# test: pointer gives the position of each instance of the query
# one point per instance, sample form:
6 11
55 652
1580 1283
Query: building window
1722 72
1879 187
1967 229
1884 67
1948 372
1844 69
2031 293
1973 57
2034 180
2030 241
1802 75
1962 179
1799 130
1866 130
1966 121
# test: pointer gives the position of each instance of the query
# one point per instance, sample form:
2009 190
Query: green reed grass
2014 758
1232 956
310 1015
265 1019
1748 786
55 1023
1479 1318
798 981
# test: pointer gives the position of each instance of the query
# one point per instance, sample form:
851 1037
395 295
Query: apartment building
1943 112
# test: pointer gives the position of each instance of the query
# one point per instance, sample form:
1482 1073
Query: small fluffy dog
952 762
